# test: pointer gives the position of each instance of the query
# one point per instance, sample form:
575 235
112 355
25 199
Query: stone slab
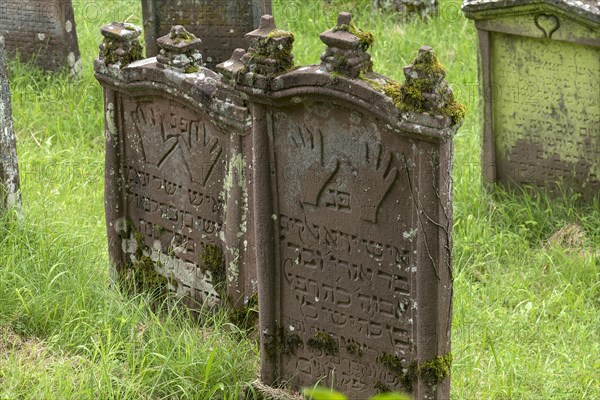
10 194
221 25
42 31
540 90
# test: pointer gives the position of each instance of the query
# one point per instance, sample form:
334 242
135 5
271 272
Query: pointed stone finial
120 45
179 50
425 90
270 49
347 47
234 65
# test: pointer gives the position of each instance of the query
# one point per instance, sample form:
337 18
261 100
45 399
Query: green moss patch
212 260
365 38
325 342
432 372
283 342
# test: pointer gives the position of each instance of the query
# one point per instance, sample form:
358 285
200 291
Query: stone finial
425 90
270 49
179 50
347 47
120 45
234 65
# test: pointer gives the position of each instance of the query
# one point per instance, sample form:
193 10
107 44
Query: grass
527 288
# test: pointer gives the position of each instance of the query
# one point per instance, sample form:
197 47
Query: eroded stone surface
540 84
221 25
10 193
42 31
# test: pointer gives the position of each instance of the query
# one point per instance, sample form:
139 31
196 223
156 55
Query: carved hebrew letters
345 263
546 130
174 166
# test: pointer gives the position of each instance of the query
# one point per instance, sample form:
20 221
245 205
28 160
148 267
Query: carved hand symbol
317 175
156 146
372 183
204 153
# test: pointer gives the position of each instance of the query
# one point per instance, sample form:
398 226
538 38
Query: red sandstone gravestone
174 153
220 24
42 31
10 194
352 205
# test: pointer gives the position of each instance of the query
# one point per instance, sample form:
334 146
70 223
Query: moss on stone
284 342
381 387
133 51
435 371
365 38
353 348
432 372
192 69
212 260
245 317
325 342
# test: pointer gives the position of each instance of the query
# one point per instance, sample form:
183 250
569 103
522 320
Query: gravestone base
265 392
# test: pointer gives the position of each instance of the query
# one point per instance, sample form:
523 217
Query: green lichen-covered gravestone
220 24
42 31
540 86
10 195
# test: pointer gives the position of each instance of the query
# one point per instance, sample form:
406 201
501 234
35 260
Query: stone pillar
10 193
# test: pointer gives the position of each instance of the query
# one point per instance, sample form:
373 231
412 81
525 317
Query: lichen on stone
365 38
425 90
323 341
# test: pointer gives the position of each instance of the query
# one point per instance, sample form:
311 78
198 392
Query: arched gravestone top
588 9
221 25
174 161
42 31
352 206
10 194
540 84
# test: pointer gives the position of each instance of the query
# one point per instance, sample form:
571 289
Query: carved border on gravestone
230 37
10 192
49 37
549 21
189 179
322 141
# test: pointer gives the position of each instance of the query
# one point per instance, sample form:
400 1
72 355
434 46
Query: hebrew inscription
41 31
346 232
174 167
546 104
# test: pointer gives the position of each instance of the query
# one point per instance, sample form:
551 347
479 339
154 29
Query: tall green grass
526 289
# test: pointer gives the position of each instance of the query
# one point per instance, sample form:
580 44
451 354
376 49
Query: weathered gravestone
540 84
220 24
42 31
10 194
352 206
175 169
423 8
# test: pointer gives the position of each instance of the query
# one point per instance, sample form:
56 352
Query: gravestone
540 85
220 24
42 31
10 194
423 8
352 207
174 154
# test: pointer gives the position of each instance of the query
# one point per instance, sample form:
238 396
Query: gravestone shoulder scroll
42 31
352 205
174 155
539 70
221 24
10 194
